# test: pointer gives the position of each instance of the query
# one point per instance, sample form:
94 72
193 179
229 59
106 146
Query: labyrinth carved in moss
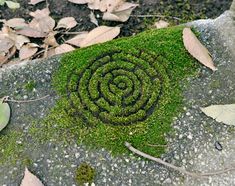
118 87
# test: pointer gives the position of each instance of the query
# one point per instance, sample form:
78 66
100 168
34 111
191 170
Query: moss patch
124 90
85 174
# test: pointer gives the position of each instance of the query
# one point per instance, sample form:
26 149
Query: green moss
10 146
30 86
124 90
85 174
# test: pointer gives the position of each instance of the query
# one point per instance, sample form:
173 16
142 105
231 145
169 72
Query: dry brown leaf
5 43
196 49
67 23
221 113
28 50
78 1
44 24
94 4
103 5
113 4
99 35
40 13
50 40
31 32
30 179
120 13
63 49
50 52
16 23
161 24
20 41
34 2
76 41
93 19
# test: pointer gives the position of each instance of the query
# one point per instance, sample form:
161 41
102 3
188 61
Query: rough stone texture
192 146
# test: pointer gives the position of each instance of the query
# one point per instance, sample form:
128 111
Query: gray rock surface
193 146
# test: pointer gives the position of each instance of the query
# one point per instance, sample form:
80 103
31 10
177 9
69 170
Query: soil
173 11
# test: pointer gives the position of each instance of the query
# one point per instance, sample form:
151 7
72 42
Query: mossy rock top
124 90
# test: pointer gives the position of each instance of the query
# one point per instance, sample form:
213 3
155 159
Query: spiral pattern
118 87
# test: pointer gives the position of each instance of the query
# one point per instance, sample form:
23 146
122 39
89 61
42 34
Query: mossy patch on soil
85 174
124 90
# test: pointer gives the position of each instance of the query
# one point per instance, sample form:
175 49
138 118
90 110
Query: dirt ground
173 11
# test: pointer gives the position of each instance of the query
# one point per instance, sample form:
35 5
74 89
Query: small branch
7 99
72 33
180 169
156 15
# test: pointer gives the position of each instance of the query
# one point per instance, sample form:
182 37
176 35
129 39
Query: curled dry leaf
28 50
34 2
20 41
30 179
67 23
16 23
63 49
5 113
76 41
31 32
99 35
221 113
78 1
161 24
5 43
196 49
50 39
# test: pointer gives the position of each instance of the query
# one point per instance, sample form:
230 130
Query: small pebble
218 146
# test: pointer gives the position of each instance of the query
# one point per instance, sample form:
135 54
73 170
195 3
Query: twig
7 99
180 169
156 15
72 33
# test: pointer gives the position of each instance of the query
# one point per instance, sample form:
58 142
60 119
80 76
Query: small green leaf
5 113
12 5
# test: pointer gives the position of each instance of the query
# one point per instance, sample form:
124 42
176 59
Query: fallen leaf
31 32
63 49
30 179
34 2
20 41
221 113
67 23
28 50
161 24
99 35
5 44
78 1
93 19
12 5
42 23
120 13
112 4
94 4
40 13
103 5
50 40
5 113
16 23
76 41
196 49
